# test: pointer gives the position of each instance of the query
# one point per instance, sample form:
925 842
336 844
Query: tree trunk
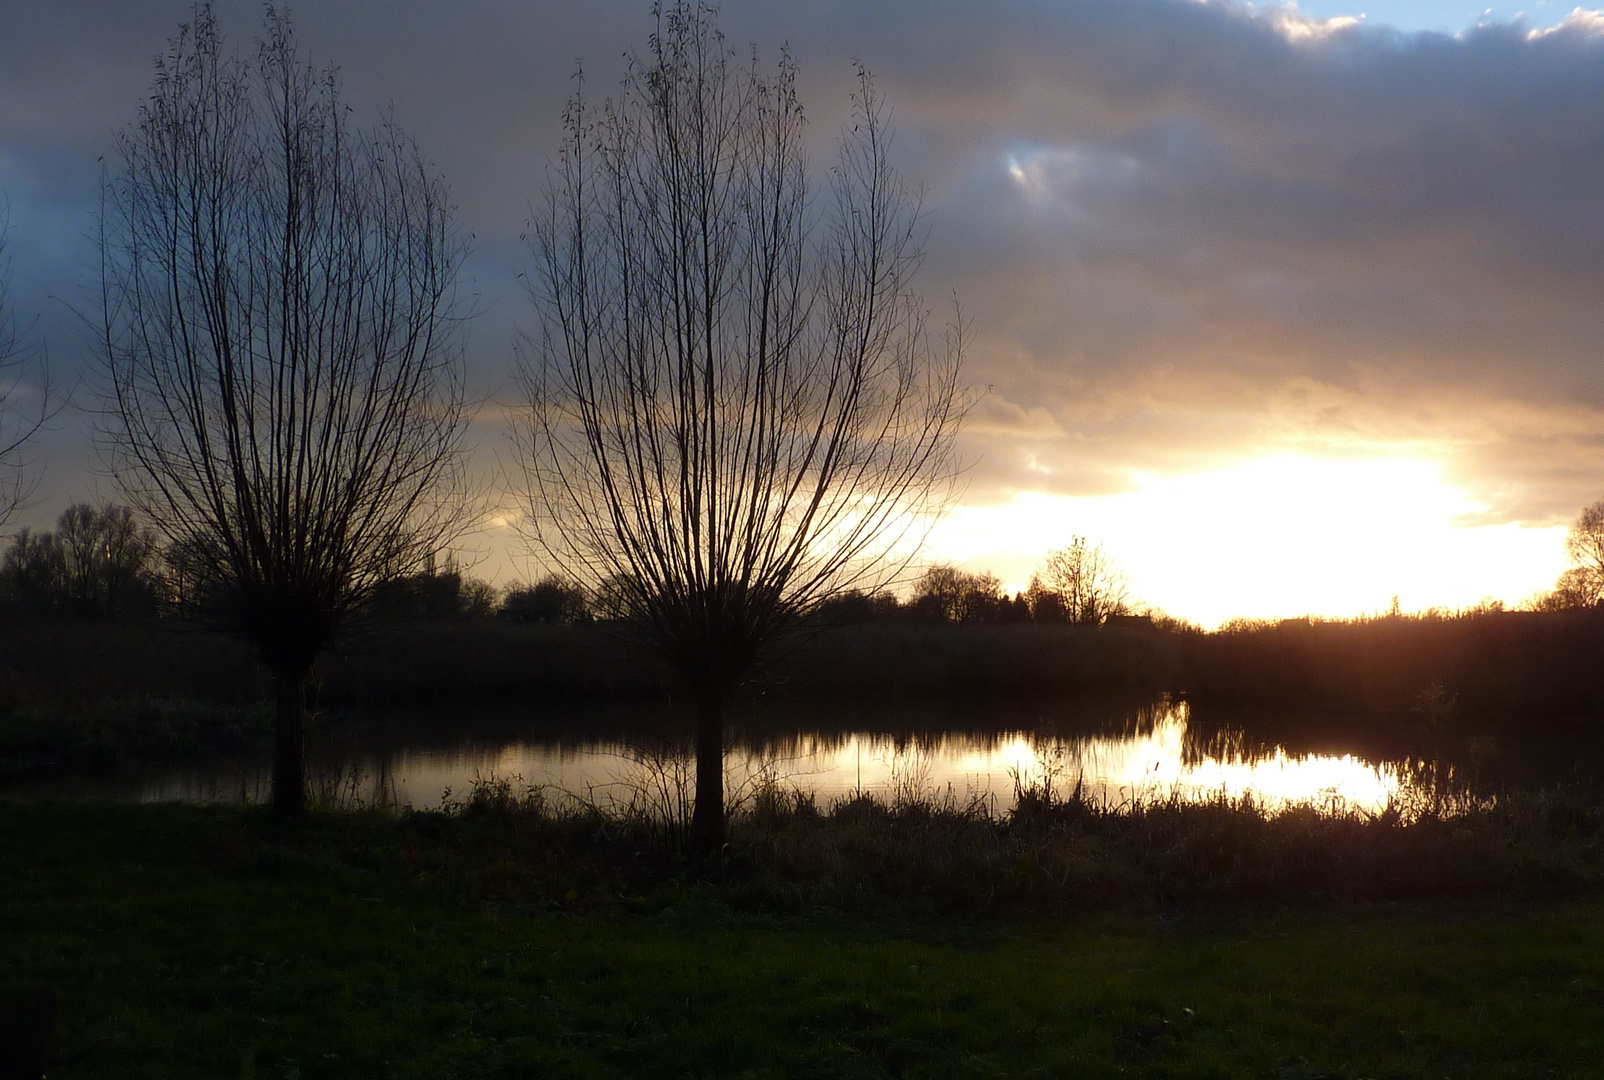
289 745
707 819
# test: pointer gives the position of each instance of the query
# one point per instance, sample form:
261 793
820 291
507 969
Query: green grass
207 943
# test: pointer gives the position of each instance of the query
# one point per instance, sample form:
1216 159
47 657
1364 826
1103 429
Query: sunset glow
1278 536
1269 380
673 537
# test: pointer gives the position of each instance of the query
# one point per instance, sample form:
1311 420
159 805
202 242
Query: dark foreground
210 943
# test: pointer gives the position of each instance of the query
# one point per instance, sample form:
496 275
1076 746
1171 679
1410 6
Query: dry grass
1534 664
918 851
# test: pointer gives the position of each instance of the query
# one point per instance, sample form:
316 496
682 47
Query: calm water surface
1152 752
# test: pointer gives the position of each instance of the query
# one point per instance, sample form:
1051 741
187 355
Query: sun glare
1273 537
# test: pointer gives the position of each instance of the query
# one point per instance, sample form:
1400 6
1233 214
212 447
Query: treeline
104 563
946 595
953 633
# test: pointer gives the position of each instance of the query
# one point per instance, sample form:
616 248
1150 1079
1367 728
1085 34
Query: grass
207 943
1053 853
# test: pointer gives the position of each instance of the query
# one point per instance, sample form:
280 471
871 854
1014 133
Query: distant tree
857 606
1015 609
478 599
1575 588
1046 606
18 421
886 606
110 559
98 563
938 594
439 591
738 409
285 392
32 571
552 599
1584 582
946 594
1088 584
1172 624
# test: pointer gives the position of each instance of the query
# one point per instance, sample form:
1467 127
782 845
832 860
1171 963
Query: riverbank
207 942
86 695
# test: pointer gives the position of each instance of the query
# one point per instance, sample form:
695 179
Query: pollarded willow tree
286 401
738 408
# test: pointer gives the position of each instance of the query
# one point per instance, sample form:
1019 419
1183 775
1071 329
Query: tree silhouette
98 562
285 401
1582 584
549 600
1079 583
947 594
738 409
1584 542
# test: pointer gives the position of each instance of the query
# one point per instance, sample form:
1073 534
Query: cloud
1580 21
1182 231
1193 206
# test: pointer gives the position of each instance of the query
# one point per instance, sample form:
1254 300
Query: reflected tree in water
285 401
738 409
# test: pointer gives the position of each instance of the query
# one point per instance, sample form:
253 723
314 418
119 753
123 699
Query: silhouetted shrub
552 599
855 607
947 594
434 595
98 563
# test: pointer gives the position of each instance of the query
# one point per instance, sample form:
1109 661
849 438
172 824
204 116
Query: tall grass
1535 664
1054 850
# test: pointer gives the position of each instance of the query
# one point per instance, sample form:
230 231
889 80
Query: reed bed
919 852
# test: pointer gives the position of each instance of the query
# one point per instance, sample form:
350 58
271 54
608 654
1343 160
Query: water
1116 754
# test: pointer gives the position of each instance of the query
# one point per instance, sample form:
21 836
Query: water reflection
1155 755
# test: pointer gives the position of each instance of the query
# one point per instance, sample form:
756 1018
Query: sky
1292 309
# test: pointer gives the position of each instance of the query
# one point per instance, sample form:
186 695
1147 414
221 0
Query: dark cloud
1182 231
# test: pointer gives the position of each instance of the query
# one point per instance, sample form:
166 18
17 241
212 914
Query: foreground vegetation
504 940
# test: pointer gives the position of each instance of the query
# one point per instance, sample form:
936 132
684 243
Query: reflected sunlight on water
1154 761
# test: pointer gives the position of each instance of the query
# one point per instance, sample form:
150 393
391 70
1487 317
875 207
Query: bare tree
18 422
947 594
738 409
286 401
1585 545
1582 583
1575 588
98 562
1087 584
